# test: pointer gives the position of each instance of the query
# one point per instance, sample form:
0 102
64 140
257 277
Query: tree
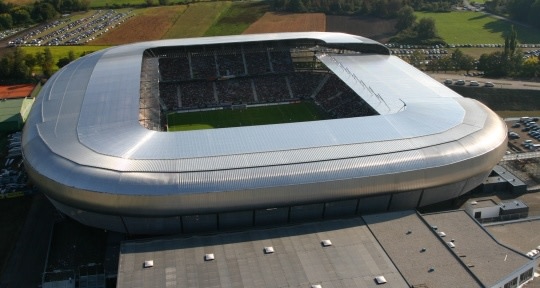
405 18
416 58
66 60
492 64
5 65
43 11
19 69
426 29
296 6
462 61
6 22
30 61
534 12
531 67
48 63
21 16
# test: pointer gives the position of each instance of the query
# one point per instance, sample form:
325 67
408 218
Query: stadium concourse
96 141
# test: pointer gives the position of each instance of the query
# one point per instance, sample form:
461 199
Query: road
499 83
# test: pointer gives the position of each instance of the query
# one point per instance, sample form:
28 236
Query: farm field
288 22
469 27
196 19
237 18
262 115
366 26
148 24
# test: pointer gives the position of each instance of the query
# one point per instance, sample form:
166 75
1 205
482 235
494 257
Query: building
487 210
15 104
94 142
406 249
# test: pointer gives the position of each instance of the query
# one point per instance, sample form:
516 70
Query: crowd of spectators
231 63
192 80
272 88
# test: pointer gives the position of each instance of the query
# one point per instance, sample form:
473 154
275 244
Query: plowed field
150 24
288 22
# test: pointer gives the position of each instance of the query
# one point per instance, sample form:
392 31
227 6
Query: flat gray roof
402 246
522 236
354 259
406 250
484 256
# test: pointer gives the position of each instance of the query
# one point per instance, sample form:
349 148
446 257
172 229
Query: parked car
489 84
474 83
448 81
460 82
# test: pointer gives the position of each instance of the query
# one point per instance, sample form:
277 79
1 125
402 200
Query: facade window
511 284
526 275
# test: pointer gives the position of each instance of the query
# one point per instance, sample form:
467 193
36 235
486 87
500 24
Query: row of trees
495 64
18 66
507 63
379 8
12 15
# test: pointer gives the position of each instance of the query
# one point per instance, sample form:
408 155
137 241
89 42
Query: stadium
217 133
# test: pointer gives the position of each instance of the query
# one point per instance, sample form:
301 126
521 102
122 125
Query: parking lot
524 134
67 31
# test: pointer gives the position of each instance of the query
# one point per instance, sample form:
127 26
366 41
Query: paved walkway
27 260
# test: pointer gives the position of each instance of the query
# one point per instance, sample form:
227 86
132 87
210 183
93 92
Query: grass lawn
61 51
469 27
274 114
196 20
237 18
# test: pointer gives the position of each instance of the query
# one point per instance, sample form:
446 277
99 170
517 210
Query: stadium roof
84 133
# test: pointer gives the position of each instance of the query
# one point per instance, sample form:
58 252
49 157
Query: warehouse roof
299 259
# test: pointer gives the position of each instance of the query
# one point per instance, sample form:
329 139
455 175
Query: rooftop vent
268 250
474 202
326 243
451 245
441 234
316 286
434 227
423 250
209 257
431 269
148 263
409 232
470 265
380 280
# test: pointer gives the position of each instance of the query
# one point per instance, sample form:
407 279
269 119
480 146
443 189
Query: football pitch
250 116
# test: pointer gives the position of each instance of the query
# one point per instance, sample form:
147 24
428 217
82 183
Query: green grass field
62 51
274 114
237 18
476 28
197 19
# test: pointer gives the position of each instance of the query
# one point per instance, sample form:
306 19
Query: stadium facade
94 141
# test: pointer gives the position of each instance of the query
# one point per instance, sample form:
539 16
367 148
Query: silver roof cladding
83 136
